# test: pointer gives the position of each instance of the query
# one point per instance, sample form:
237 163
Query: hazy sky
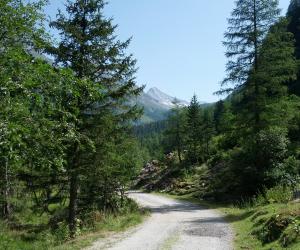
178 43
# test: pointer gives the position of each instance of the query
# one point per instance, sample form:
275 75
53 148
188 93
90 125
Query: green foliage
279 194
280 226
66 142
193 128
101 159
175 133
286 173
255 147
273 147
293 27
151 139
61 233
249 23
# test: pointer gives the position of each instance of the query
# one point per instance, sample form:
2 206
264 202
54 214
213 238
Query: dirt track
173 225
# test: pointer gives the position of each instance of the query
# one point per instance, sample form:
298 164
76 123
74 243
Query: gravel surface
173 224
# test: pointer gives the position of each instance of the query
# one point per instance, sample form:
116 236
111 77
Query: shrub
260 199
61 233
273 228
279 194
292 233
273 143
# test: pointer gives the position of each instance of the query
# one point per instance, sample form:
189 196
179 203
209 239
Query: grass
24 239
110 224
265 227
261 227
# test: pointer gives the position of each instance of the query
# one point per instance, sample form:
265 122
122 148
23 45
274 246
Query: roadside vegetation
31 231
270 226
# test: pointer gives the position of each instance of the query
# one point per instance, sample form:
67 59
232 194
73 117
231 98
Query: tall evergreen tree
218 115
248 26
194 133
261 64
176 130
89 47
208 130
294 27
277 66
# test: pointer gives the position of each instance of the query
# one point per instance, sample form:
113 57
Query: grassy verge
110 224
264 227
29 239
272 226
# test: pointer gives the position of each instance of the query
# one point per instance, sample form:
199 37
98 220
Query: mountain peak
163 99
157 104
154 89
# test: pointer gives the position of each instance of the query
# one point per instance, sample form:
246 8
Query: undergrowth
26 235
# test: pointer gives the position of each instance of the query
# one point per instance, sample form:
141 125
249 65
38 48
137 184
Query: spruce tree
276 68
218 116
175 133
208 131
194 133
89 47
293 16
248 26
261 64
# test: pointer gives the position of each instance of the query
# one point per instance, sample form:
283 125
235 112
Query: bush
61 233
273 144
279 194
292 233
273 149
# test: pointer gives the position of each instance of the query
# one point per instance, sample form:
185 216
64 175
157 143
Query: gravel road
174 225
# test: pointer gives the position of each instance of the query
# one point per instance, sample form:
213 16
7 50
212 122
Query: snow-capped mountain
157 104
165 100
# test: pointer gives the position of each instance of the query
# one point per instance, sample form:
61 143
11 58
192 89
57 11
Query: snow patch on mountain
165 100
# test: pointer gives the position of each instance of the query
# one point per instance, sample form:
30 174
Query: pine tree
208 131
89 47
294 27
268 95
218 115
175 132
277 66
194 133
262 63
248 26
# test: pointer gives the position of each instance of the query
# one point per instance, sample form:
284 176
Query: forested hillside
249 140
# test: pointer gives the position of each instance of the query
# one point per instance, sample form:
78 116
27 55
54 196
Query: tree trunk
179 154
256 106
6 207
73 204
73 192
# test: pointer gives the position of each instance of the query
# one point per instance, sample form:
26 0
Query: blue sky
178 43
